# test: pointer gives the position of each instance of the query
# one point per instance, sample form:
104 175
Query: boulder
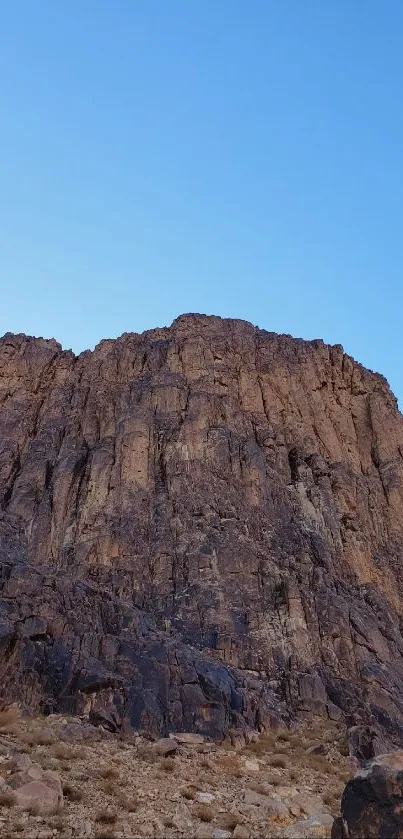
372 802
271 806
316 827
166 746
40 795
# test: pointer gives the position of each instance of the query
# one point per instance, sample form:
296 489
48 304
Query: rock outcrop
201 527
372 803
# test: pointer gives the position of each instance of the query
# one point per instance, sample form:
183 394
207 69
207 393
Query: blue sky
219 156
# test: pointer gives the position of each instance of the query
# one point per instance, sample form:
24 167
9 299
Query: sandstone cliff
201 525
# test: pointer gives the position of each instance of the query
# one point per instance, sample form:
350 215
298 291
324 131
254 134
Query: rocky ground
62 777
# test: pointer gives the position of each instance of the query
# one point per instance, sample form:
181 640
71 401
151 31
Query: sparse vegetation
189 793
127 802
255 786
278 762
204 812
72 793
7 799
110 773
228 821
167 764
8 716
99 776
64 752
38 737
106 817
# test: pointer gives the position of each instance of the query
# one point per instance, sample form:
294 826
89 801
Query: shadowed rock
372 803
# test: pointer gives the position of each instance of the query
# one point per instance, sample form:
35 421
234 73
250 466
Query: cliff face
201 526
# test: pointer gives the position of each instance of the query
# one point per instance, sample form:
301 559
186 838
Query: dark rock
372 802
107 717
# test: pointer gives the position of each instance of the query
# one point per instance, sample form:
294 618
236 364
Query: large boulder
372 803
33 786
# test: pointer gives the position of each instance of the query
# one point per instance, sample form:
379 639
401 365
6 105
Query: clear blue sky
236 157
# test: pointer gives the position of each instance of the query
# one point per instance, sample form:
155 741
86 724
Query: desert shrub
106 817
318 763
145 753
109 773
255 786
228 821
204 812
278 762
274 780
284 736
7 799
168 821
65 752
167 764
128 803
72 793
189 793
9 716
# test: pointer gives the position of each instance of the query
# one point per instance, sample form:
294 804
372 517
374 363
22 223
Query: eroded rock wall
212 492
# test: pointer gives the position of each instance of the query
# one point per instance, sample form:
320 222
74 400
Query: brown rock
39 795
200 530
166 746
316 827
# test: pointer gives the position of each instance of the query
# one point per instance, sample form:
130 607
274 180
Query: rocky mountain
201 529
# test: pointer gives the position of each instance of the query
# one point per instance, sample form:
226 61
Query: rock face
201 527
372 803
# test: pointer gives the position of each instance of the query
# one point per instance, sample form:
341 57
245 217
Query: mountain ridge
240 491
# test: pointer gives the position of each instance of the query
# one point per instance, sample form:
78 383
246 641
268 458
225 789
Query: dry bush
24 749
168 821
274 780
37 737
146 754
230 765
278 762
9 716
343 749
228 821
189 793
204 812
104 833
64 752
106 817
167 764
11 728
205 763
18 827
109 773
128 803
256 787
59 822
293 775
258 748
284 736
72 793
318 763
33 809
47 762
109 787
7 799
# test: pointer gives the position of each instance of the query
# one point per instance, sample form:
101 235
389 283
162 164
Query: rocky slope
201 528
64 778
